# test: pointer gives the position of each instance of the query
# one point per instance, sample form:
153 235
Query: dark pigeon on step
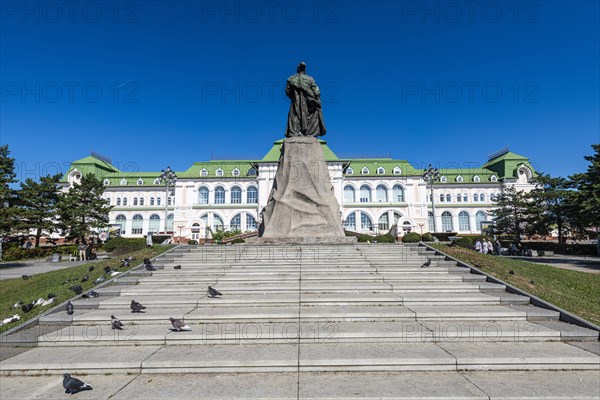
115 323
136 307
73 385
212 292
179 325
427 263
69 307
177 267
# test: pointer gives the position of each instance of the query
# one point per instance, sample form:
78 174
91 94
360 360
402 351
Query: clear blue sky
153 83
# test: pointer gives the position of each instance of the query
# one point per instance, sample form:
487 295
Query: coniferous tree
588 191
512 214
551 205
82 208
7 176
37 203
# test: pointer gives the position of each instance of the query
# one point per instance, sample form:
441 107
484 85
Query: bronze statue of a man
305 117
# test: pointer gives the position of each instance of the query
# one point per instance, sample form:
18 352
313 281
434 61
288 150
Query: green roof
507 164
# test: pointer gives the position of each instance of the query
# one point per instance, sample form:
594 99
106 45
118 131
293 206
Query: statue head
301 67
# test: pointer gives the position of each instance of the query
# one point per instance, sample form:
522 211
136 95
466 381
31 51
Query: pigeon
99 280
147 261
426 263
69 308
124 263
532 282
85 278
74 385
179 325
136 307
91 268
27 307
213 292
47 302
511 272
177 267
77 289
8 320
25 277
51 296
150 267
129 258
17 305
115 323
107 270
89 294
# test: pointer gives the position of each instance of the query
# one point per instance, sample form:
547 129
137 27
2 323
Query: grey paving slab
50 387
125 314
535 313
570 331
453 312
491 331
374 357
211 386
450 299
377 385
104 335
592 347
520 355
223 358
56 360
547 385
124 301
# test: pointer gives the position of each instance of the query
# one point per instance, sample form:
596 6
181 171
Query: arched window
475 197
406 226
235 172
203 195
124 201
397 171
481 197
398 194
349 194
219 195
350 222
458 198
381 193
123 182
118 201
157 181
252 195
195 231
236 196
465 197
494 178
158 201
463 221
443 179
236 222
447 222
459 179
135 201
250 222
365 222
442 198
137 225
364 171
365 194
252 172
217 223
106 182
219 172
154 224
140 182
430 216
121 220
384 222
170 223
448 198
151 201
480 216
141 201
203 172
349 171
476 178
380 171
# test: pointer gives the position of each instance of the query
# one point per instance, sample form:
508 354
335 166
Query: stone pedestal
302 207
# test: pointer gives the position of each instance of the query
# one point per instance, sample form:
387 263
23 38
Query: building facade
373 193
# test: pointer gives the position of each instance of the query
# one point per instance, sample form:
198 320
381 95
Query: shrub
365 238
427 237
192 242
443 236
411 237
121 244
387 238
238 240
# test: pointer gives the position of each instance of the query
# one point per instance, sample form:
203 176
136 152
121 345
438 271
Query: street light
431 175
180 228
169 177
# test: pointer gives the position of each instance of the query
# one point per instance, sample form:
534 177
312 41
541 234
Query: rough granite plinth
302 206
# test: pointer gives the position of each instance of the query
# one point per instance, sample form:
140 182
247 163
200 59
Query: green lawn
40 285
574 291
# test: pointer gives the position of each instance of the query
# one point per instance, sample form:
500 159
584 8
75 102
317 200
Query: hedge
121 244
427 237
574 249
411 237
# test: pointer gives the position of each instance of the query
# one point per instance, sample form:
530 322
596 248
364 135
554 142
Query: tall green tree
551 202
82 208
513 213
588 191
7 176
37 203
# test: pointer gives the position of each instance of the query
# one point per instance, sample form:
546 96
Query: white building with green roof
374 194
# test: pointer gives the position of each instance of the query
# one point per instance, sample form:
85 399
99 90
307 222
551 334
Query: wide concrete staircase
320 321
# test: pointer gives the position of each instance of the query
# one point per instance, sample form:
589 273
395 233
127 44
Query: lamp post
169 177
180 228
431 175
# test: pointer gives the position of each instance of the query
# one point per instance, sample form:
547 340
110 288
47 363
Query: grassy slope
40 285
574 291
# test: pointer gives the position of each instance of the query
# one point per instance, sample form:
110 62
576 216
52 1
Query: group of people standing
86 249
487 247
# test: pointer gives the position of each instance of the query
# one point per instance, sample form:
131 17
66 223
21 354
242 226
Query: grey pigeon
115 323
27 307
77 289
136 307
69 308
124 263
107 270
213 292
177 267
74 385
427 263
100 280
25 277
91 268
179 325
149 267
85 278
